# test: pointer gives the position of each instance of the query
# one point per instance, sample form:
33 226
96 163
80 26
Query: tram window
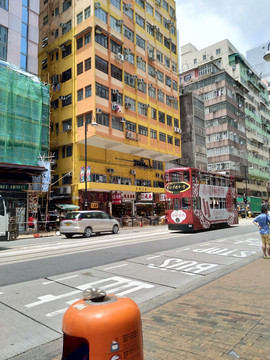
185 203
177 204
176 176
211 203
218 181
186 176
196 203
212 180
195 177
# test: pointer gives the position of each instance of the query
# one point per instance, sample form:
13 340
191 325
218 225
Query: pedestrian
31 223
263 221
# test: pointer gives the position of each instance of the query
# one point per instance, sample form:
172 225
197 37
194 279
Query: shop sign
128 196
177 187
161 197
116 198
13 187
146 196
94 205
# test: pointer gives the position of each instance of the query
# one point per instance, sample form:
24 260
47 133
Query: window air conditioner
140 81
158 175
127 6
122 119
171 97
129 135
139 58
133 172
115 91
68 128
120 57
110 170
98 111
127 105
119 22
127 51
97 5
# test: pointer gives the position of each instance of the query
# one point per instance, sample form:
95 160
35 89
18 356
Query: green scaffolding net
24 116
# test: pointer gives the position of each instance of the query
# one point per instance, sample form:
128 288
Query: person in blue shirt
263 221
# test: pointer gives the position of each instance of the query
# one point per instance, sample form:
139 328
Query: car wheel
69 236
87 232
115 229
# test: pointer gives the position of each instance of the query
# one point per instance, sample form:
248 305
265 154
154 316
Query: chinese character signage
88 174
116 198
128 195
146 196
177 187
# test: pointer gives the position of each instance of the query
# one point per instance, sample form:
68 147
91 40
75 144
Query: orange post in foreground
102 327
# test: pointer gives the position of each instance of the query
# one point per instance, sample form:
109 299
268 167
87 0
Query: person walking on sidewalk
263 221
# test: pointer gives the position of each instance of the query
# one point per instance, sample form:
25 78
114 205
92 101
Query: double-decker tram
198 199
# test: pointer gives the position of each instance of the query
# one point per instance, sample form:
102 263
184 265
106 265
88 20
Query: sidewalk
228 318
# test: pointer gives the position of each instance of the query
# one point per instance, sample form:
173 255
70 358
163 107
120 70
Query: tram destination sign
177 187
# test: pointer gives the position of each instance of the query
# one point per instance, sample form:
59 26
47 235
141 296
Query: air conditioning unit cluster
110 170
177 130
133 172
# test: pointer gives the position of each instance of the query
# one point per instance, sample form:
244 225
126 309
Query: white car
87 222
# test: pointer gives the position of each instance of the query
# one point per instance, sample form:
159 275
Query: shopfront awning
68 206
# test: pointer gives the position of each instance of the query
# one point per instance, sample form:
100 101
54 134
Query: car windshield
72 215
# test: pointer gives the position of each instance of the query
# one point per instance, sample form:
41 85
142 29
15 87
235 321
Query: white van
4 234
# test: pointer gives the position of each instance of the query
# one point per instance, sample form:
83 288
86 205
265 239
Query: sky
245 23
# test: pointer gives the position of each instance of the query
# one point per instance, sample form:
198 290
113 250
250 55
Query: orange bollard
141 223
102 327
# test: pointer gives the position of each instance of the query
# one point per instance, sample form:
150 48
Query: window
153 113
159 56
142 109
160 76
80 68
79 17
67 100
56 11
116 48
140 2
87 64
158 17
116 72
55 104
103 119
162 137
79 94
217 51
115 24
169 139
102 65
151 70
150 29
175 86
204 57
167 62
67 125
79 121
101 15
4 4
130 58
160 96
102 91
159 36
129 79
140 42
130 126
140 21
102 40
3 43
66 27
176 142
116 3
79 43
45 20
87 38
176 122
88 91
173 48
66 51
141 64
87 12
117 124
153 134
66 4
129 34
128 11
143 130
168 81
69 151
131 103
152 92
56 33
165 5
195 61
149 9
66 75
161 117
169 120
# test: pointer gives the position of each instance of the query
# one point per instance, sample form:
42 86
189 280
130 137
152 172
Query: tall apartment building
237 113
19 26
114 102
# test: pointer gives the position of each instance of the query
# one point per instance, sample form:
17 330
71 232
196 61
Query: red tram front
198 199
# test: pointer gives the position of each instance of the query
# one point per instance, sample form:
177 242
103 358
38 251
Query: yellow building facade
113 71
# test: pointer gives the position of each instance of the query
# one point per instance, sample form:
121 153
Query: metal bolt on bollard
102 327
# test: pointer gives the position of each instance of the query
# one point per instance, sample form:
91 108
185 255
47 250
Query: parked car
88 222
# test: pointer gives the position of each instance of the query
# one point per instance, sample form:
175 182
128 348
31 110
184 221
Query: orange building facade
113 71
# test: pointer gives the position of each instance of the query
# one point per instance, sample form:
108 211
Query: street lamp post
93 123
266 55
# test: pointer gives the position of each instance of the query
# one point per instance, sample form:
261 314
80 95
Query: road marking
115 267
187 265
61 279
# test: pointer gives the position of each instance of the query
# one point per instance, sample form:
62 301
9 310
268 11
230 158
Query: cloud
244 22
